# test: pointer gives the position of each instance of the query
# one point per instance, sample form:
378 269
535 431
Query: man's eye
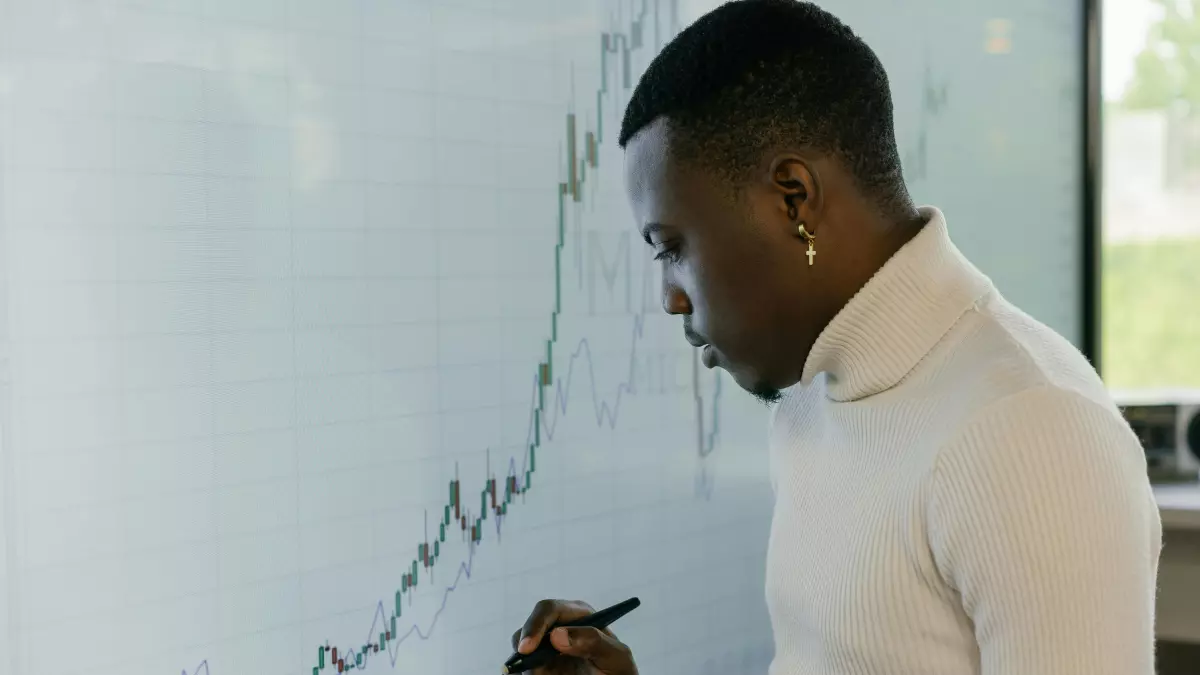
670 254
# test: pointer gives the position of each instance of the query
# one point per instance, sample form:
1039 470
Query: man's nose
675 301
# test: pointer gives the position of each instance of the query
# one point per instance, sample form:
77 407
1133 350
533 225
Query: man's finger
597 647
545 614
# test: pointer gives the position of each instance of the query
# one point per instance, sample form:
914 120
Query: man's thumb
600 649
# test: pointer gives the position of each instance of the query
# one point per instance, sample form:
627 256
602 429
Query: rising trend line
384 634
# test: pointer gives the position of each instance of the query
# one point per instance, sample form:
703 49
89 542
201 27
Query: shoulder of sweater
1025 398
1049 446
996 351
1049 417
1041 463
1031 387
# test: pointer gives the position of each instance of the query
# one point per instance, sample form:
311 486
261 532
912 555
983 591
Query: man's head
761 116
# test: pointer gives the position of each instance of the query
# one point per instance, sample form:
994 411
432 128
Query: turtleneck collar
898 316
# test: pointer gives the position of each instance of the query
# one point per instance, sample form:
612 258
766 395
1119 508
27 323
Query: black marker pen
519 663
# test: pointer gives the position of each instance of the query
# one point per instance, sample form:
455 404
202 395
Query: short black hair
753 75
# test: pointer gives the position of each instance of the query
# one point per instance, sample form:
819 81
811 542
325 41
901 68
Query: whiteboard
323 325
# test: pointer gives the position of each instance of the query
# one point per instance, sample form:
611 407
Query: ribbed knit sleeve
1041 516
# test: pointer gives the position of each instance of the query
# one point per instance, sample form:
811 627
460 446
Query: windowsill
1179 505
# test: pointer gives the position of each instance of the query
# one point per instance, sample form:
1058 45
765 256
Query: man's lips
708 355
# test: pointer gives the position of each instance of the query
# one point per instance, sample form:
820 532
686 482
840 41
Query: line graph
387 630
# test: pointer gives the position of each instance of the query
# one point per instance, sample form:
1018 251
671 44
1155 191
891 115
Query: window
1150 195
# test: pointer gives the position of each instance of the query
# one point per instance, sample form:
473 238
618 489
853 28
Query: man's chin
756 387
766 395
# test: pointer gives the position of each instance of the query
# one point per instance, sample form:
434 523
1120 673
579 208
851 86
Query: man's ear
797 185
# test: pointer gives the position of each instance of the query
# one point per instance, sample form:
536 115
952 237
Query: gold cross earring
809 237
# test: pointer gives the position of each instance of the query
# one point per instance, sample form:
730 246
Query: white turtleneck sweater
955 492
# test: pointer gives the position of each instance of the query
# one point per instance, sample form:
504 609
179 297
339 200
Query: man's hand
584 651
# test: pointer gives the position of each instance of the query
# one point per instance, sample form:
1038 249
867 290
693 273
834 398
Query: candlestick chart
476 514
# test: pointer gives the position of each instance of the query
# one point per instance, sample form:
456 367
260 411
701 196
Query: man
955 491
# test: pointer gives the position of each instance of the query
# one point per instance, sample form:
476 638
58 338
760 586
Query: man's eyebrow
651 228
